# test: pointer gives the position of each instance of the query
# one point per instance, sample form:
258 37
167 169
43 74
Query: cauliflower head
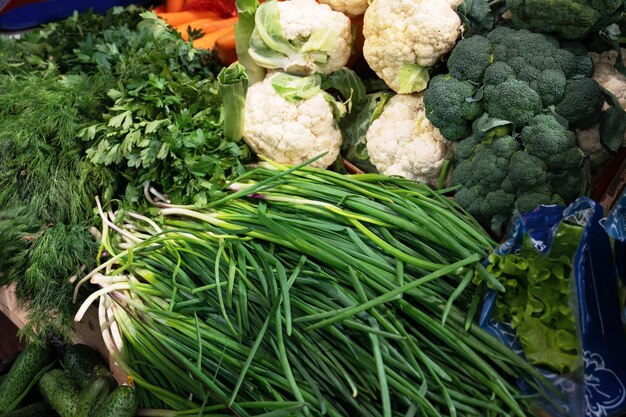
403 142
349 7
300 37
403 38
290 132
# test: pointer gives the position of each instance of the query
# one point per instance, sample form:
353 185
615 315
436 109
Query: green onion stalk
303 292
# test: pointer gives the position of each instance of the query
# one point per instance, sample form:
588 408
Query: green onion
303 292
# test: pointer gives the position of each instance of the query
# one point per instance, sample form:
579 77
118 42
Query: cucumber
60 391
122 402
24 373
41 409
93 396
83 363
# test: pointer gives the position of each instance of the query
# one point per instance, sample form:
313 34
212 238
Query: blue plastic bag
615 226
23 14
598 388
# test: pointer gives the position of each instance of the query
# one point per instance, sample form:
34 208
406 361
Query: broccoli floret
569 19
497 73
470 58
571 160
530 48
504 147
569 185
500 33
524 71
448 107
500 200
551 86
526 170
513 100
466 148
531 200
545 138
583 63
582 103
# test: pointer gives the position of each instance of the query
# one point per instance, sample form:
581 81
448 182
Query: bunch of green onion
303 292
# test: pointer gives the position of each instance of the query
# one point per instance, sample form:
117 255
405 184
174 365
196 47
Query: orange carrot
205 25
208 40
225 48
173 6
177 19
159 9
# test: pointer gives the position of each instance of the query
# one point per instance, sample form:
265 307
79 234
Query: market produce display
293 208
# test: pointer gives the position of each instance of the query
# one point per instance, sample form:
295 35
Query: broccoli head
470 58
542 90
499 174
532 199
450 107
582 103
513 100
570 184
551 86
569 19
526 170
521 74
497 73
546 138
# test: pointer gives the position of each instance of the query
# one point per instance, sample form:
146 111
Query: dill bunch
47 190
42 263
42 163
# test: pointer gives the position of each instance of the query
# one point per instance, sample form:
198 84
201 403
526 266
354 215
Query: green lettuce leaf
537 299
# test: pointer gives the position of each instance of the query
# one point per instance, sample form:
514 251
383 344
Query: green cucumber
83 364
93 396
122 402
60 391
41 409
24 373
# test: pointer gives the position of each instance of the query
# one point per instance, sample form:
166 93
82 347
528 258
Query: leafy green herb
164 123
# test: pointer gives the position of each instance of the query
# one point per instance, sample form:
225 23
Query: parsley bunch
164 124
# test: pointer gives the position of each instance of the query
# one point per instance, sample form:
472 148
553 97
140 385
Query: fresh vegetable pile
97 105
238 270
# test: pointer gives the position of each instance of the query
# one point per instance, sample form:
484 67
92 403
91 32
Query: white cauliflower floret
611 79
307 38
290 132
403 142
608 76
404 33
349 7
